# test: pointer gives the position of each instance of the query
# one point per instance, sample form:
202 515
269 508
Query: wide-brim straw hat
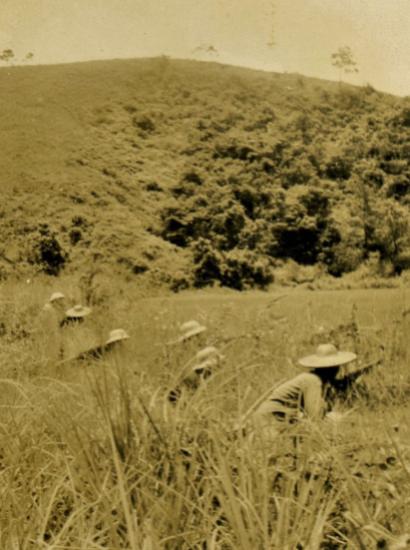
56 296
117 335
78 311
327 355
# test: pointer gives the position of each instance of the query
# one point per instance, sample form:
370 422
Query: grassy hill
183 172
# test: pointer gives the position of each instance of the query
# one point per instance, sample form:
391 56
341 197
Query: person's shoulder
309 378
48 312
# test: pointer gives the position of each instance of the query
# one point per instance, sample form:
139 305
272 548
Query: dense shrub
290 211
338 168
237 268
207 268
75 235
403 118
46 251
144 123
245 269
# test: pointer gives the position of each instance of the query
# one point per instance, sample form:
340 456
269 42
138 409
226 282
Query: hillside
183 172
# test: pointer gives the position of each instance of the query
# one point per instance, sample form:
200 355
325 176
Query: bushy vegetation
322 181
93 455
227 173
46 253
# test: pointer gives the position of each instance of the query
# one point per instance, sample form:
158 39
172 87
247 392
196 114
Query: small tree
7 55
207 49
344 61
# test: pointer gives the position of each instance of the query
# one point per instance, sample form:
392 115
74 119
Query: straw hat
190 329
206 359
117 335
208 353
78 311
56 296
327 355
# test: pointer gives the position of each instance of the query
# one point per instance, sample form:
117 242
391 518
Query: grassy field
93 455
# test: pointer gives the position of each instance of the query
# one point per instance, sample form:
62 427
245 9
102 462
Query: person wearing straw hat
191 337
75 314
55 305
189 330
309 394
74 339
56 297
115 340
49 322
206 361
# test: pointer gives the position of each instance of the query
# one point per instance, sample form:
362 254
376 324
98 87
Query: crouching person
310 394
206 361
115 342
49 327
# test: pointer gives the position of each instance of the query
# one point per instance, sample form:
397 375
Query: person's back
78 335
114 343
48 324
301 394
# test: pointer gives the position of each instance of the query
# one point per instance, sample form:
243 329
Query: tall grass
93 455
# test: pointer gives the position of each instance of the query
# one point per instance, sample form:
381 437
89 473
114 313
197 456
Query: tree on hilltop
344 60
7 55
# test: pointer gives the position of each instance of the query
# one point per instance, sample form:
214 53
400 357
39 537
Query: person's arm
353 376
313 403
348 382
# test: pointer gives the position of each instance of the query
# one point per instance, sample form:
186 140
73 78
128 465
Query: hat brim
191 333
116 339
56 298
73 314
334 360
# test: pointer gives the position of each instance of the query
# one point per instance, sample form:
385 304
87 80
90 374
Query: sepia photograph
204 274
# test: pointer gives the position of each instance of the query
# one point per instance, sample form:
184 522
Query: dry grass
93 456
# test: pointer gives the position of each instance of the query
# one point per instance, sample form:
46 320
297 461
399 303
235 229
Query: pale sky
305 33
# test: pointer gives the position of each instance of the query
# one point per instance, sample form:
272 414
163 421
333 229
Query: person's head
190 330
58 301
206 360
116 338
326 361
327 374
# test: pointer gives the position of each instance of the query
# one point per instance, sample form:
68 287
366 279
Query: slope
94 155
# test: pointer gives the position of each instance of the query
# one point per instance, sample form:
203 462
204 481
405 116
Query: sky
274 35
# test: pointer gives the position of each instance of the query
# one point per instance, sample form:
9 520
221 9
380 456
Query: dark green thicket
322 178
45 251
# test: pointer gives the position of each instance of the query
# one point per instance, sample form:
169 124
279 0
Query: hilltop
182 173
